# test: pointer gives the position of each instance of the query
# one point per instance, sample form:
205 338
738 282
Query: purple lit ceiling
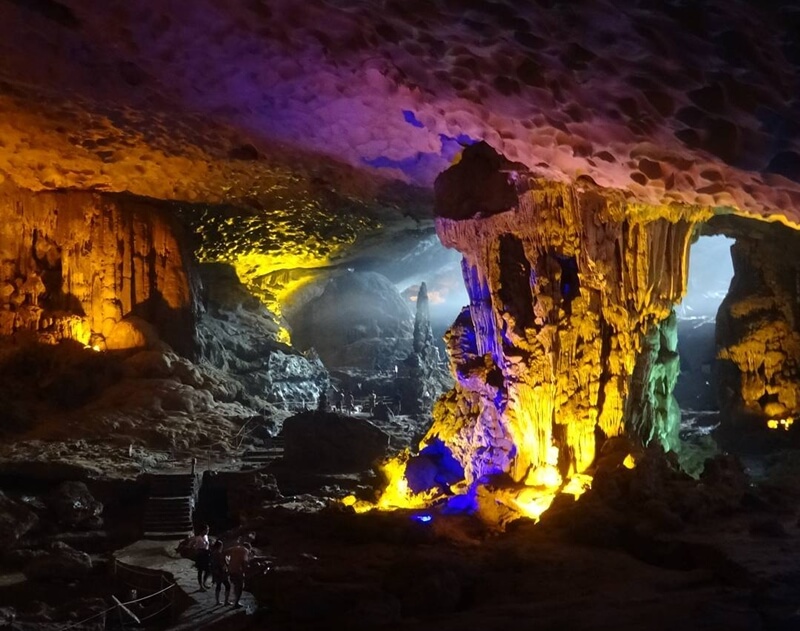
674 103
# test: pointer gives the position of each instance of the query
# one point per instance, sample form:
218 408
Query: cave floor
202 611
387 571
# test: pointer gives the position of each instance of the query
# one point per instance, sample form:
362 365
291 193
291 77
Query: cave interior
459 313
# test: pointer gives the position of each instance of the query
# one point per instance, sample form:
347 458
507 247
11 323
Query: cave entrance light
710 274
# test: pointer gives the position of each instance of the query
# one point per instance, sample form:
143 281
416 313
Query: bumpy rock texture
758 336
564 285
194 355
424 376
674 101
92 268
238 335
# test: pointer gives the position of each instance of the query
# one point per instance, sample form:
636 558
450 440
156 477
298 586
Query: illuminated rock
651 411
568 287
671 102
758 341
131 332
73 265
424 377
238 335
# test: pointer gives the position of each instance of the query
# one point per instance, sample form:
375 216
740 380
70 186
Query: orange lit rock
131 333
73 265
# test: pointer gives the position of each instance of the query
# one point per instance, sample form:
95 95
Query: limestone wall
105 270
758 330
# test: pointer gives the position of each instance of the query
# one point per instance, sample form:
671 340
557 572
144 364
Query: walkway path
202 611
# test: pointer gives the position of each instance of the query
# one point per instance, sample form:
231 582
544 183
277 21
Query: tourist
219 571
238 559
201 546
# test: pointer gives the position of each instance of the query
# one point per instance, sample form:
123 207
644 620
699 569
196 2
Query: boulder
60 562
74 506
433 467
15 520
325 441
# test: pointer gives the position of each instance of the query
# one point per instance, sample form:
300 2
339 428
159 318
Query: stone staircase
258 458
168 511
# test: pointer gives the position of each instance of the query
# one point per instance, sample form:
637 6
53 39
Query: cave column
564 284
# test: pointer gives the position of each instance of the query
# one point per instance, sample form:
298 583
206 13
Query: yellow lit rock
782 423
565 285
564 360
629 462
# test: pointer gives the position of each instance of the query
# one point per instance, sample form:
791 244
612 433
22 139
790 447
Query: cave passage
710 274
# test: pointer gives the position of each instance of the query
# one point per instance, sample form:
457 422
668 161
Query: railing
163 600
203 454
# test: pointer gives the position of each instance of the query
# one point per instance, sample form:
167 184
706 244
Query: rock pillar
565 283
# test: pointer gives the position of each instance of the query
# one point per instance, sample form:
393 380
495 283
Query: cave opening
709 278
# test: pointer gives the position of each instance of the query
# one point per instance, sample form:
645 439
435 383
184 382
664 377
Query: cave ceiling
258 100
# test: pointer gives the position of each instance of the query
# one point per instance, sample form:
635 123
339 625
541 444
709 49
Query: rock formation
424 378
327 441
758 336
568 287
115 273
238 335
93 268
359 321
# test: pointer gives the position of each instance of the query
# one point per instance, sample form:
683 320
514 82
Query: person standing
203 556
219 571
238 559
